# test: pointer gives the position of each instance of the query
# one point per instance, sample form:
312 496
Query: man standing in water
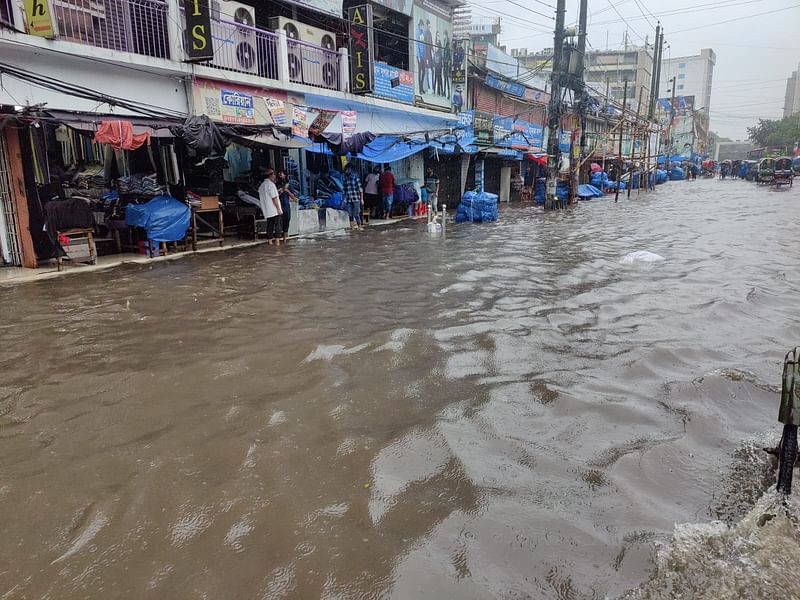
432 185
271 206
353 196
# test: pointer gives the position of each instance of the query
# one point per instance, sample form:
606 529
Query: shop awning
90 123
383 149
380 120
275 139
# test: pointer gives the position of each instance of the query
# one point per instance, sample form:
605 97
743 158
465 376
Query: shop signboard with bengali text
483 127
237 104
393 83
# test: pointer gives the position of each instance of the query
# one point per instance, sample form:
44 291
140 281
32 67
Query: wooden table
219 230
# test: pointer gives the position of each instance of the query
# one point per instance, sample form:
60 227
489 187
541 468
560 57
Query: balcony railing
313 65
244 49
137 26
6 14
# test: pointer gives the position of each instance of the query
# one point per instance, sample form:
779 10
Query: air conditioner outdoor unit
310 65
234 40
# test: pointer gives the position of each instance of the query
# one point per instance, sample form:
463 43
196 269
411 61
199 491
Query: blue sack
335 201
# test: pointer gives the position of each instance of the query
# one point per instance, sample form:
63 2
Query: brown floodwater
507 411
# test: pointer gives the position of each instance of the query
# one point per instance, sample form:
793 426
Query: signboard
300 121
483 127
348 123
237 107
503 127
277 110
361 49
231 103
536 96
321 122
393 83
37 18
509 87
526 136
565 140
199 44
433 54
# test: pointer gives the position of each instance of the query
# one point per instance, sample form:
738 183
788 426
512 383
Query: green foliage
776 133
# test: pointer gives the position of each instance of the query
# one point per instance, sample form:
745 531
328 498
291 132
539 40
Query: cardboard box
209 202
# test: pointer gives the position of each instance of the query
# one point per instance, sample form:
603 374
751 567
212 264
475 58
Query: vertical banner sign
37 13
320 123
361 49
277 111
300 121
348 123
199 44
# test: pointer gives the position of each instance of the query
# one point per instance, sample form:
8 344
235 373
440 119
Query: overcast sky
756 51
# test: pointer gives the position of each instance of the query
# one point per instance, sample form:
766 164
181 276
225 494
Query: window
681 65
681 75
680 87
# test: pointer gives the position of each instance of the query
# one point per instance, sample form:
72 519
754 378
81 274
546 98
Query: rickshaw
735 168
752 170
709 167
724 169
796 165
783 171
766 171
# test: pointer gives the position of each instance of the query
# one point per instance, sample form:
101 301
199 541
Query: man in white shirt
271 207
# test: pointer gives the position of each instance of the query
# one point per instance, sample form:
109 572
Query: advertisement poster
503 127
38 18
300 121
565 141
348 123
483 127
393 83
277 110
432 54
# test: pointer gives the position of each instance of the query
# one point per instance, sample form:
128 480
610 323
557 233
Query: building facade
693 75
791 104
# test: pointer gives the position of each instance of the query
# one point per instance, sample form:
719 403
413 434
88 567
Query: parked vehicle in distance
752 170
796 165
766 171
783 174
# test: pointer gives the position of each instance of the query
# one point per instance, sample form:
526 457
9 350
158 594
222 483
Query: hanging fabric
120 135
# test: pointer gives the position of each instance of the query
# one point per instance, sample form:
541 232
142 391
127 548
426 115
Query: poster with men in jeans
433 53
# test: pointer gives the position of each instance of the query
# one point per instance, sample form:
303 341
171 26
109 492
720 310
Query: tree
776 133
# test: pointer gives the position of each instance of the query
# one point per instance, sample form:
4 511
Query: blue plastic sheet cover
589 191
165 218
383 149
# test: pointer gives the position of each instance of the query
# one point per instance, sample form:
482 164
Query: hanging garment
72 213
120 135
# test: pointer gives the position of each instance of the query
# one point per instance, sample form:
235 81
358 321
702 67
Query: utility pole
657 68
651 105
621 134
669 125
554 110
633 143
580 89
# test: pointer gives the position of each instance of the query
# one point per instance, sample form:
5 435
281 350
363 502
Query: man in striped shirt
353 196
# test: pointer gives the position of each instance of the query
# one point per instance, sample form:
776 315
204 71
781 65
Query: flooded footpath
510 411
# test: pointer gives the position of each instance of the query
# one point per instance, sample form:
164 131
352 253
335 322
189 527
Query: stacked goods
477 207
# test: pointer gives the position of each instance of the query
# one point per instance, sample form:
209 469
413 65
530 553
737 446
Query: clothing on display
140 185
72 213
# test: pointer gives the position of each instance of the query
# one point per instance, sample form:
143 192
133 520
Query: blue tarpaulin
586 191
165 218
383 149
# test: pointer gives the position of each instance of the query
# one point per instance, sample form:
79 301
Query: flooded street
507 412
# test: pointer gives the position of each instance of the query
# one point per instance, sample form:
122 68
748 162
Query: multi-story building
791 104
693 78
608 70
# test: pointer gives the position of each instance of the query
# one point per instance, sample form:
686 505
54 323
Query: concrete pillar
505 184
283 57
175 29
344 70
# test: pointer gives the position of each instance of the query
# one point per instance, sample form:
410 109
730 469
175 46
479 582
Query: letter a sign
37 17
199 43
361 49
